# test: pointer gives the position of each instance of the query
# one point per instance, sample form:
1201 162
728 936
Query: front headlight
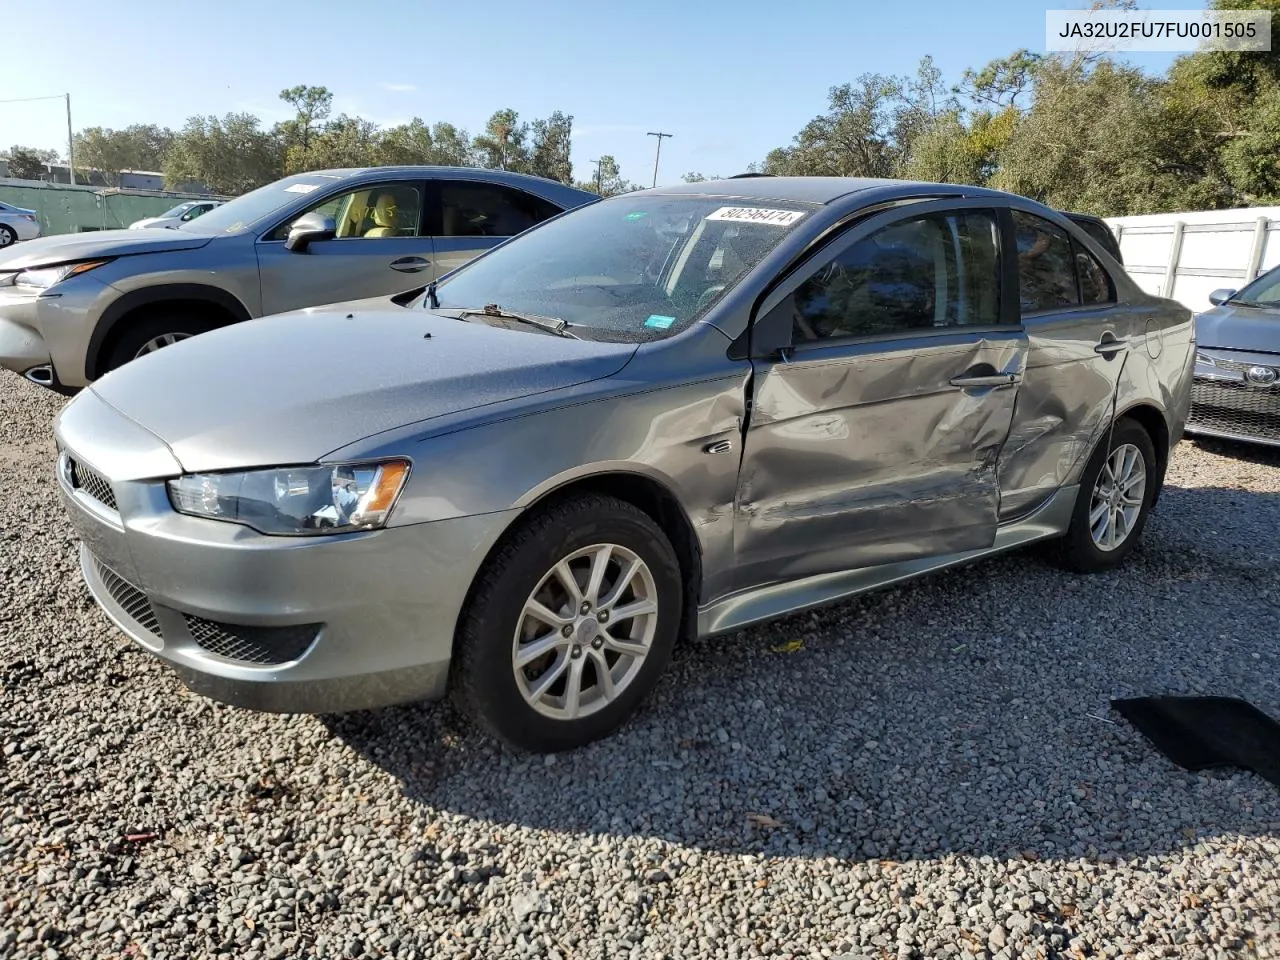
44 277
295 500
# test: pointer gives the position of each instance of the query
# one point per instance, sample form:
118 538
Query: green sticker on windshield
659 322
638 215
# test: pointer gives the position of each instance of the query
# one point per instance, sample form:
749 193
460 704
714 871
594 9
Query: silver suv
76 306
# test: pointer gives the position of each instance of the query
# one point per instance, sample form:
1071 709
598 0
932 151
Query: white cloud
399 87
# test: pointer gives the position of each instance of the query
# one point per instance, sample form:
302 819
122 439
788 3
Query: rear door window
471 209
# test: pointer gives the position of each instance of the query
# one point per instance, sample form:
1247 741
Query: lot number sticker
780 218
300 187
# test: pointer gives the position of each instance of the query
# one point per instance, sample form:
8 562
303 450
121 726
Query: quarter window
489 210
926 273
1095 284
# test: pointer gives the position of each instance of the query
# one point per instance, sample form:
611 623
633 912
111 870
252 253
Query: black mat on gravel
1200 733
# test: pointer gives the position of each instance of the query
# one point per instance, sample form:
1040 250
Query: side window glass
370 213
1095 283
1046 270
930 272
489 210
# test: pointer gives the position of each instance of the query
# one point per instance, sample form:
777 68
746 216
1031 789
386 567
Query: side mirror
1221 296
307 228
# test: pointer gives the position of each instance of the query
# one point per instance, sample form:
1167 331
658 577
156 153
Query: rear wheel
8 236
571 625
1116 492
154 331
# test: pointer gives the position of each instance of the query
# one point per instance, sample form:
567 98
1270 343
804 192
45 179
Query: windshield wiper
552 324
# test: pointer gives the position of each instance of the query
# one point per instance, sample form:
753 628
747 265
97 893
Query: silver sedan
17 224
672 413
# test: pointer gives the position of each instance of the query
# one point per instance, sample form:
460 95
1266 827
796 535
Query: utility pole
71 162
658 154
71 149
598 187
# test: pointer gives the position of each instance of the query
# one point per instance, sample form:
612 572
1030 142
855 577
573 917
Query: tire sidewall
10 233
1087 553
487 649
138 332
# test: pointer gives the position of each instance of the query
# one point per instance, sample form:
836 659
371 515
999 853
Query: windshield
1263 292
638 268
178 211
235 216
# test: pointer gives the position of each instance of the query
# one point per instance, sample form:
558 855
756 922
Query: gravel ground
934 772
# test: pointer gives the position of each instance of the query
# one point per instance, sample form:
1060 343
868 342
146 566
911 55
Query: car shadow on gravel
1255 453
966 713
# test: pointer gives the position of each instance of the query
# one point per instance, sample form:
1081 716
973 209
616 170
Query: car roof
818 190
476 173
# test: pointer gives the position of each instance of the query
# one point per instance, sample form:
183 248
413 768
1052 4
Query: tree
1002 81
344 142
552 141
692 177
28 163
137 147
854 138
230 155
502 146
609 181
313 106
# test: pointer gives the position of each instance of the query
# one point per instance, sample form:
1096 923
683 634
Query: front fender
659 434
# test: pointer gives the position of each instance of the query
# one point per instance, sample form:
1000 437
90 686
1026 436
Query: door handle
994 380
410 264
1109 348
720 446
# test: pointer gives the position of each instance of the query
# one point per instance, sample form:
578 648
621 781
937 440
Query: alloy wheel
164 340
585 631
1118 496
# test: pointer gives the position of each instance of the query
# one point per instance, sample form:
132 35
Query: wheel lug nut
597 643
566 631
603 616
586 607
576 652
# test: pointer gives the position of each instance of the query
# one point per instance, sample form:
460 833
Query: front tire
570 626
154 331
1116 492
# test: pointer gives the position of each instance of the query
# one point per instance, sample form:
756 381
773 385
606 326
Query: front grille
1227 407
1238 366
132 600
91 482
261 645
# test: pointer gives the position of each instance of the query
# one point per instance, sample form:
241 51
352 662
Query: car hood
291 388
99 243
1230 327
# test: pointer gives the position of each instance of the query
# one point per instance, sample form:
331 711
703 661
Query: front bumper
1226 404
282 624
51 328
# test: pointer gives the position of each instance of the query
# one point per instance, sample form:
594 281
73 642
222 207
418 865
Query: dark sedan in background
1236 393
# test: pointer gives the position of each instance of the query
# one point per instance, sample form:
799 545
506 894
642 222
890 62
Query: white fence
1186 256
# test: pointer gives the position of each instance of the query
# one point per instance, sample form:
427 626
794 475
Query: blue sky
731 81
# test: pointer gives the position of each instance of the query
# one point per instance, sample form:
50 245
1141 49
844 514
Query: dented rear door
877 437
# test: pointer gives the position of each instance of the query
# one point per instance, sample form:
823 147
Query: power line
59 96
658 154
